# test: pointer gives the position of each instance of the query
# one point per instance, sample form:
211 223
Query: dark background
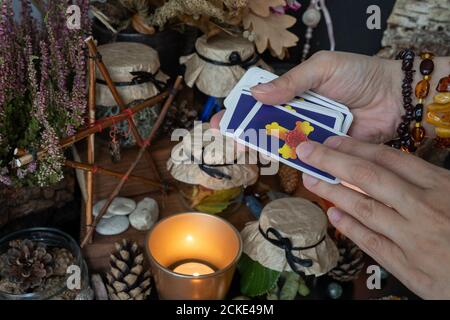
349 21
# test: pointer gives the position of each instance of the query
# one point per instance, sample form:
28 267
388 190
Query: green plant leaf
218 201
290 286
303 289
256 279
212 208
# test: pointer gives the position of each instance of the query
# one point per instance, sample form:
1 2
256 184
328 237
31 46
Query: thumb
308 75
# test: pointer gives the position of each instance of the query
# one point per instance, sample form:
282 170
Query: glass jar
198 198
53 238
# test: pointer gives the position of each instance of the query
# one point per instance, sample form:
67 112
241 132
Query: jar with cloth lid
291 235
211 174
134 69
217 65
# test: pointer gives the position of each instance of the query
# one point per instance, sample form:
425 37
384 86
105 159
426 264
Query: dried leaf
271 32
262 7
203 23
140 26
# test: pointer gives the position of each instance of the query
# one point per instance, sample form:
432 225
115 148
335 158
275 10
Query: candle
193 269
193 256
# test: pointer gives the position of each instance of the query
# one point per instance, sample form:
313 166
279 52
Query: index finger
308 75
378 182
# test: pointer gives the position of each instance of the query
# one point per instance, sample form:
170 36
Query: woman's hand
370 87
403 221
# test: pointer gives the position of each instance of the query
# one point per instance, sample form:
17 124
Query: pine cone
126 279
27 264
289 178
350 263
179 116
62 258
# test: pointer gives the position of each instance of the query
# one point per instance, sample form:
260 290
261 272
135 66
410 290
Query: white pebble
145 215
112 226
119 207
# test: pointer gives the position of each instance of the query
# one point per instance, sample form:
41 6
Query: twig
107 172
90 144
99 126
142 150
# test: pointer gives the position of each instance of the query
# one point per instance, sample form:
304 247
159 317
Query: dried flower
43 92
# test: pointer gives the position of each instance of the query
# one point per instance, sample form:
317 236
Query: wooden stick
144 147
101 125
107 172
115 93
90 145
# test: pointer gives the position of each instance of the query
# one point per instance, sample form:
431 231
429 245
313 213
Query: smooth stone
145 215
112 226
119 207
98 206
122 206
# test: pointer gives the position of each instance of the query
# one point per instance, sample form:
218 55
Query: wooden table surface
97 253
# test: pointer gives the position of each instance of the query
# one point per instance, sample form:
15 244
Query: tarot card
316 99
328 117
233 117
276 132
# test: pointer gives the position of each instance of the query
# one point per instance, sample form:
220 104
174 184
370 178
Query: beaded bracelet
405 142
438 113
422 89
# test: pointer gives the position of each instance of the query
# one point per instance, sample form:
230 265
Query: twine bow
286 244
211 169
139 77
234 59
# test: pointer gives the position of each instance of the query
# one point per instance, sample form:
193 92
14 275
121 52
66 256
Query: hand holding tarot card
276 131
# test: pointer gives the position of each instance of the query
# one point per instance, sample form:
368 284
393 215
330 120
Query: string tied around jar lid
286 244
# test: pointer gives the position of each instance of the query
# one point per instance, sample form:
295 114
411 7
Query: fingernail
305 149
335 215
309 181
333 142
263 88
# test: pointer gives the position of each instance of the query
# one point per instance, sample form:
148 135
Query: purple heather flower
58 81
26 18
290 4
32 167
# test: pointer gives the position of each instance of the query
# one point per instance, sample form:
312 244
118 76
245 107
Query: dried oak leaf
271 32
204 23
141 26
262 7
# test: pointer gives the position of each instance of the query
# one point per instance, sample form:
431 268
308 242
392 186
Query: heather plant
42 88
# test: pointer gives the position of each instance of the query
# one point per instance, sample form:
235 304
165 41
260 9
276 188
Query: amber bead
426 55
443 98
426 67
444 85
418 134
422 89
